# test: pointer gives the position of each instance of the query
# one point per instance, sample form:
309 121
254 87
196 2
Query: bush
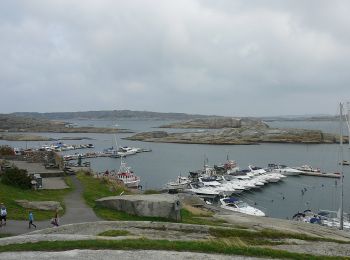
6 150
16 177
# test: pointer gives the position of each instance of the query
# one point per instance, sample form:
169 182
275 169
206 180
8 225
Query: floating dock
321 174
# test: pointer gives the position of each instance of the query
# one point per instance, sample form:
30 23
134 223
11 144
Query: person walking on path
31 219
3 214
54 221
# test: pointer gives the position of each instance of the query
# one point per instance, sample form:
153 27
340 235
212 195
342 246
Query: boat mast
342 166
348 123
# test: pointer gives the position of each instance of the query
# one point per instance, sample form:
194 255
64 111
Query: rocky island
15 128
223 130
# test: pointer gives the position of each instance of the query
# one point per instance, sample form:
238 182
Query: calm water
166 161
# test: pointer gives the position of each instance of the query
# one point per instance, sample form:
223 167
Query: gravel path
76 211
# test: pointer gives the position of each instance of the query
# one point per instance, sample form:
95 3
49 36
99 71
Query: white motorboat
237 205
283 169
180 183
202 191
307 168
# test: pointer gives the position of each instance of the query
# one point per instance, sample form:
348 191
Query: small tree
6 150
16 177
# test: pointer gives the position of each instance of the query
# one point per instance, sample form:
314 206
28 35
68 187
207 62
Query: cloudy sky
221 57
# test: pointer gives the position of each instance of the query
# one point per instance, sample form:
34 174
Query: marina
168 161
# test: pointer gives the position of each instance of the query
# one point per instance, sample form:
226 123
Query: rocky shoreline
31 137
230 131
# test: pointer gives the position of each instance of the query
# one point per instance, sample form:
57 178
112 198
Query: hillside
15 123
109 114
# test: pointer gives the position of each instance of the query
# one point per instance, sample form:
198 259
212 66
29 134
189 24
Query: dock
321 174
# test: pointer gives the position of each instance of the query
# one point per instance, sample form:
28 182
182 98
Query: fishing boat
127 176
237 205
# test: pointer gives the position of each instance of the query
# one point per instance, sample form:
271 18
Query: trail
76 212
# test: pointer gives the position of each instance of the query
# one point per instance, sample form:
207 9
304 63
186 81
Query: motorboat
324 217
283 169
307 168
127 176
203 191
180 183
237 205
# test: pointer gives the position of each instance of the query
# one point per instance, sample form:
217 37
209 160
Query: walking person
31 219
54 221
3 214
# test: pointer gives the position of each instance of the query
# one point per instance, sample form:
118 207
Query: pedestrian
31 219
54 220
3 215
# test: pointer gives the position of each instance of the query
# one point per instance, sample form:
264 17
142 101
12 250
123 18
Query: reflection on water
166 161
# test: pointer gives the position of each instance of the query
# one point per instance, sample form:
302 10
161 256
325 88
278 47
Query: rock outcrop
242 135
216 123
41 205
154 205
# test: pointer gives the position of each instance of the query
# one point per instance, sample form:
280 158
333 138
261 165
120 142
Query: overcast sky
243 58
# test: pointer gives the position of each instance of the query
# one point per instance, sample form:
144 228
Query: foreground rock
119 254
154 205
40 205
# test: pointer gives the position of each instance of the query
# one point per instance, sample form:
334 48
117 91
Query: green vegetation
151 192
17 178
98 188
192 218
6 150
8 195
217 246
266 234
114 233
5 235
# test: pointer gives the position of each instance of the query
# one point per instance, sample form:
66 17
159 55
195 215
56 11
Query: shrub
16 177
6 150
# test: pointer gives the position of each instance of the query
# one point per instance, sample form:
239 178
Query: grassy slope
8 195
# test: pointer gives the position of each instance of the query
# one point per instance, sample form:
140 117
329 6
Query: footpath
76 212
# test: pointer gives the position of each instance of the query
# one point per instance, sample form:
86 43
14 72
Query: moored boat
127 176
237 205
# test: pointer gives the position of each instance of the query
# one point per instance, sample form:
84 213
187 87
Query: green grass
266 234
8 195
97 188
190 218
114 233
219 246
5 235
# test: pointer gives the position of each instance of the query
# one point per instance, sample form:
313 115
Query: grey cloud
209 57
